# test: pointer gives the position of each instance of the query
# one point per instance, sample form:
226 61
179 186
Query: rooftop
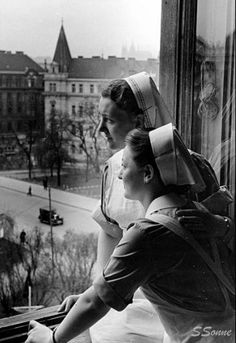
17 62
110 68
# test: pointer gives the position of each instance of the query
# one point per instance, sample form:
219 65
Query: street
75 210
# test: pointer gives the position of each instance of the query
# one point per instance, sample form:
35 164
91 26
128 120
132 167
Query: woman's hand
204 221
39 333
68 303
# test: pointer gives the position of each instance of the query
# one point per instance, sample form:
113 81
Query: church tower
62 54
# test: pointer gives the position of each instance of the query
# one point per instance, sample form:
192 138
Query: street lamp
51 229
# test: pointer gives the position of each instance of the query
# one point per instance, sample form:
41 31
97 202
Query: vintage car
44 216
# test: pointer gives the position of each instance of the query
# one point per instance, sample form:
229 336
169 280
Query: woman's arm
106 246
87 311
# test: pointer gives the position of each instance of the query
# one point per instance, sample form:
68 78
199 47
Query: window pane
214 87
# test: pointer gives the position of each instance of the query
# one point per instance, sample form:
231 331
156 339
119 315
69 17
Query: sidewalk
59 196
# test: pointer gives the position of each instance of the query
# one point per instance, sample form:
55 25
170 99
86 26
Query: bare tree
53 149
30 262
75 257
26 144
84 127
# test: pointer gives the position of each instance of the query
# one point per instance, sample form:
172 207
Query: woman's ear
139 121
148 173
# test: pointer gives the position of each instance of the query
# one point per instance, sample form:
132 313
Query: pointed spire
62 53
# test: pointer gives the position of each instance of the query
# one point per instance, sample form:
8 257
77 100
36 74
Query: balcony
14 329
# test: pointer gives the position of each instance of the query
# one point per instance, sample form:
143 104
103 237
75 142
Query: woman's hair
139 142
120 92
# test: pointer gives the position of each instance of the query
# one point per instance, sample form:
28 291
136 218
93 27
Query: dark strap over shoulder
174 226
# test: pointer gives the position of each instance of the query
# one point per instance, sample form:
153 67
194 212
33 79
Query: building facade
21 102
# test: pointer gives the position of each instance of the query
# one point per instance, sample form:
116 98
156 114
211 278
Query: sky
93 27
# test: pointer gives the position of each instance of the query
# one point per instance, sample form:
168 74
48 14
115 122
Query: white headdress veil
149 100
173 159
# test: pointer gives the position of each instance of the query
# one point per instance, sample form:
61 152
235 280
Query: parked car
44 216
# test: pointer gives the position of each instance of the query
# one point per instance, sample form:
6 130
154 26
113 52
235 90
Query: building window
91 89
9 103
73 109
19 126
52 87
81 109
9 126
53 106
19 102
81 88
18 81
73 88
8 81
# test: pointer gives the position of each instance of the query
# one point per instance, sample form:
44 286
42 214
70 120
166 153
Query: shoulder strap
174 226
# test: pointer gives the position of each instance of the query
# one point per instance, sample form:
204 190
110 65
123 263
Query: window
19 126
81 110
81 88
91 89
73 109
53 105
19 102
8 81
73 88
18 81
52 87
9 126
9 103
214 88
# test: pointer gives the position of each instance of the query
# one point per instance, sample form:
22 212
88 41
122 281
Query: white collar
165 201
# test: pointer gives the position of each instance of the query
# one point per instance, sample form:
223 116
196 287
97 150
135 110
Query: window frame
177 54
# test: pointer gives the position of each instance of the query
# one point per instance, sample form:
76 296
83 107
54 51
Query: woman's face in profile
132 176
115 123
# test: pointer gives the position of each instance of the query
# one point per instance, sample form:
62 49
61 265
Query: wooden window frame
177 59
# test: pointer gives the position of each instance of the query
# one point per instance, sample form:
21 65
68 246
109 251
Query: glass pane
214 87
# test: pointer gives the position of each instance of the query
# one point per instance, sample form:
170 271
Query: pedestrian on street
29 191
45 182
